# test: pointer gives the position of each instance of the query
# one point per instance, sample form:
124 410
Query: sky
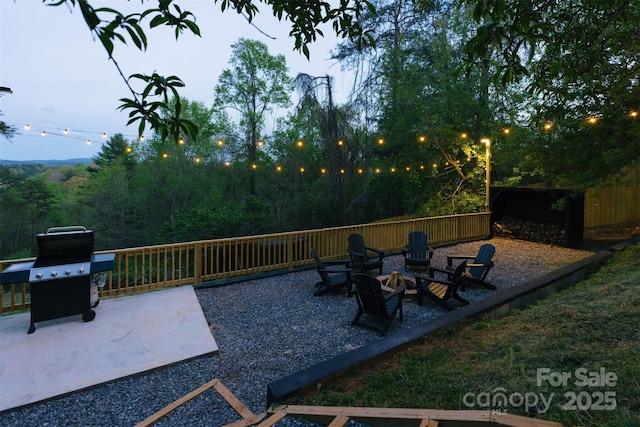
62 79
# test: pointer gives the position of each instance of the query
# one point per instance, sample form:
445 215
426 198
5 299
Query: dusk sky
61 78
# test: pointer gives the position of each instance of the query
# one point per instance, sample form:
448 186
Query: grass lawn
573 357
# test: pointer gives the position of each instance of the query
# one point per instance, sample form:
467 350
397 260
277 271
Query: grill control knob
54 273
38 275
67 272
81 270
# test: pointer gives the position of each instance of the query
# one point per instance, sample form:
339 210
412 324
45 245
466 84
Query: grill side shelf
16 273
102 262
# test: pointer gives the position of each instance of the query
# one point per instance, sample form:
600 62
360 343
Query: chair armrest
433 270
420 277
378 251
399 290
478 265
344 262
355 254
335 270
450 258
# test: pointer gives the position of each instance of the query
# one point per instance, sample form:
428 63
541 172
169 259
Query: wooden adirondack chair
417 252
477 269
364 258
333 279
444 292
379 307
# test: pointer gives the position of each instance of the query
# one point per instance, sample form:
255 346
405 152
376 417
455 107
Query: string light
547 126
67 132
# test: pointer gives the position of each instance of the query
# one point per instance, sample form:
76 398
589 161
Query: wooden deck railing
192 263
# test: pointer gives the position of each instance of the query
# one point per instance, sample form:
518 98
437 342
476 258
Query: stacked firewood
530 231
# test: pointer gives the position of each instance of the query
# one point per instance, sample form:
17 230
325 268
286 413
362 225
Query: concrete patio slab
129 335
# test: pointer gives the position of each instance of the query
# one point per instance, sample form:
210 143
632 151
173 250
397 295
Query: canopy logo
583 400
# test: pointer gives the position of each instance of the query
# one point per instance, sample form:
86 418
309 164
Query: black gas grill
60 277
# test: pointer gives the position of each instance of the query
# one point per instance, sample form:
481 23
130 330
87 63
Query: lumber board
184 399
339 421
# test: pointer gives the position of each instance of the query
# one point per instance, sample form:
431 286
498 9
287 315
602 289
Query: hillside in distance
69 162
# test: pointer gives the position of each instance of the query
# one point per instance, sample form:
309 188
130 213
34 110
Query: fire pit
60 277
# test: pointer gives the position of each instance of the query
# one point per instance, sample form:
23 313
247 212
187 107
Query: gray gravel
267 329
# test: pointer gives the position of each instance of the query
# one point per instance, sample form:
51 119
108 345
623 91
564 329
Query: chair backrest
323 274
485 254
418 245
369 294
356 243
457 275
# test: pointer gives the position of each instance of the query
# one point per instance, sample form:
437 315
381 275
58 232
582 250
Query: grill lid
64 245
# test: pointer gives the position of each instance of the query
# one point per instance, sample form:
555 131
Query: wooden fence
192 263
617 202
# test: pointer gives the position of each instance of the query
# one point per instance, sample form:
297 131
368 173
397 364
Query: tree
25 204
117 148
580 62
255 84
110 26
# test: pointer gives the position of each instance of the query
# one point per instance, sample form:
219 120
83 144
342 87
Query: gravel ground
267 329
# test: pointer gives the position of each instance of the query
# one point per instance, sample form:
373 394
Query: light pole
487 143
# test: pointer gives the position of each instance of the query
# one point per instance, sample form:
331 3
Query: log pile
530 231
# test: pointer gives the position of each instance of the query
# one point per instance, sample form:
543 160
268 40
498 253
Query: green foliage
109 25
543 45
256 82
25 205
117 148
